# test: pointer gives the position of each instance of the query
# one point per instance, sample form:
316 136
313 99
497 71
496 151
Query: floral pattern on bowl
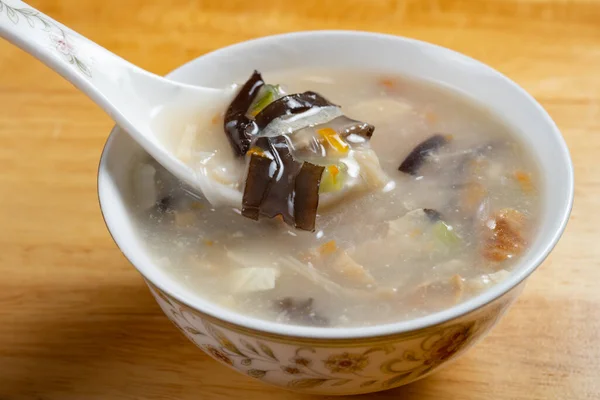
326 366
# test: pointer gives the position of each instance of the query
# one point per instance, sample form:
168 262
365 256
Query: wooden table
76 320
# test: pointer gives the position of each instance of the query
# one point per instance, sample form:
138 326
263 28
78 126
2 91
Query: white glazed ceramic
361 359
126 92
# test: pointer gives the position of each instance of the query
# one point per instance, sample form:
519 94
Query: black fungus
278 184
306 199
300 311
289 105
257 180
417 157
433 215
279 199
345 126
164 204
239 128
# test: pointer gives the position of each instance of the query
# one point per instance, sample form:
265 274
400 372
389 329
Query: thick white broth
374 257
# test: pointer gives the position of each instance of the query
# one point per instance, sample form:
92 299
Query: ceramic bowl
337 361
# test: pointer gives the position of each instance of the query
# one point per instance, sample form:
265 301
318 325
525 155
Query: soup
405 201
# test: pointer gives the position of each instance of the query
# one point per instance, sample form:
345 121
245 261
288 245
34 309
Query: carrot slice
328 248
524 180
334 140
472 197
431 117
256 151
388 83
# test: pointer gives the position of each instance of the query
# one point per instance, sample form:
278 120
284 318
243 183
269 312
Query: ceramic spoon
129 94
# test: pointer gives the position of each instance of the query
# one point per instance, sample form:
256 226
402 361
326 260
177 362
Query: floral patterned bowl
356 360
334 367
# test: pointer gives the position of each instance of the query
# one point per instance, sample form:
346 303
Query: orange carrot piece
473 196
431 117
334 140
334 171
415 233
388 83
328 248
524 180
255 150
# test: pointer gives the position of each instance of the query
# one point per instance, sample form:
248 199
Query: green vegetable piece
334 177
444 233
267 95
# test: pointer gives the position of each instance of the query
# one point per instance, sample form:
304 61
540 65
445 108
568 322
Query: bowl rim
260 326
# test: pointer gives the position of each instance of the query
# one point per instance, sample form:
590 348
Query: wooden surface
77 322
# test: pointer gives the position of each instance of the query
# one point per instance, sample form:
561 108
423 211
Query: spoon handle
54 44
106 78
